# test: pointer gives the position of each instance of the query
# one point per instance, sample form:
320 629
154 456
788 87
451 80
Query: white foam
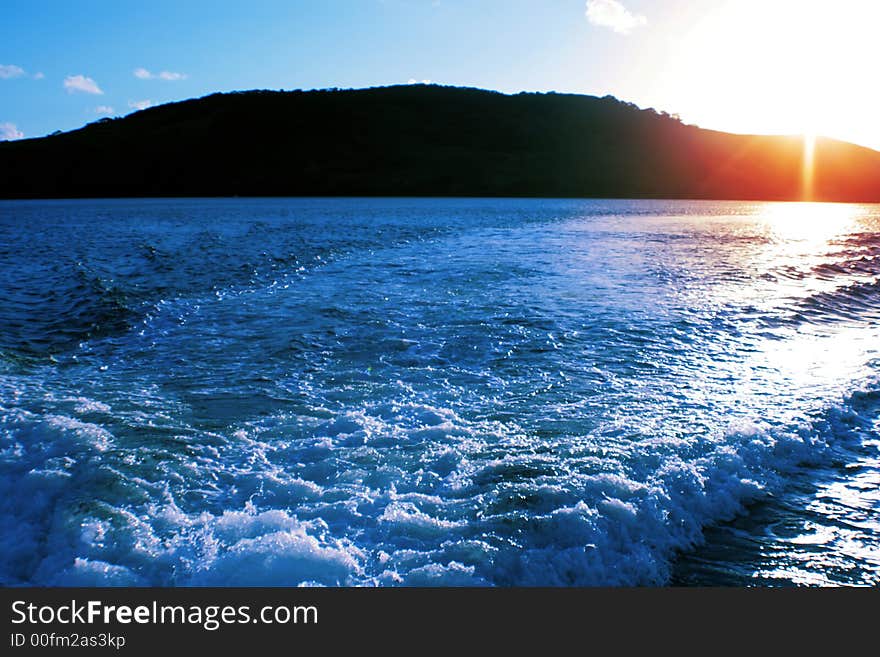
85 406
422 522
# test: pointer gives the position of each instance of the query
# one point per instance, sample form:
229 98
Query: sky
748 66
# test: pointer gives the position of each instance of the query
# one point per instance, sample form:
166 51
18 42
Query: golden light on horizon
808 172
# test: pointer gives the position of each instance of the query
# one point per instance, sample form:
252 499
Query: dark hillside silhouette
423 140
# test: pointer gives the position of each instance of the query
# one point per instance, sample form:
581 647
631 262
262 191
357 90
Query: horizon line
671 115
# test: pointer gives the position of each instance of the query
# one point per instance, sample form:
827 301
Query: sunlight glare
814 223
781 67
809 165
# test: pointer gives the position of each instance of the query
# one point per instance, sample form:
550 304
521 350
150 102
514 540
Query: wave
55 311
857 301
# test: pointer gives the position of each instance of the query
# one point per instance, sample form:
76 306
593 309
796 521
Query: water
450 392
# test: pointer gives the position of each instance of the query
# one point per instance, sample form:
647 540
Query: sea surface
439 392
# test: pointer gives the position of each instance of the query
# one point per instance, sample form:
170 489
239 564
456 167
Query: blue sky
774 66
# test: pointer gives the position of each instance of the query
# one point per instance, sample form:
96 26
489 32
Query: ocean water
439 392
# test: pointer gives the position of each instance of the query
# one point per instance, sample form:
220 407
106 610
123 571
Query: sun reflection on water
812 223
805 279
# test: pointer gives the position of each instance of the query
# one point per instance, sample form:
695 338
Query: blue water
439 392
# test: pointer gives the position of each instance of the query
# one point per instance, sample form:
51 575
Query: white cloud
140 104
613 15
414 81
39 75
74 83
145 74
10 131
104 109
8 71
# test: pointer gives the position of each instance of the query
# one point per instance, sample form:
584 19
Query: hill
424 140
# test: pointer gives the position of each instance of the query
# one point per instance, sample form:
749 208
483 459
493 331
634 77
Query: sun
783 67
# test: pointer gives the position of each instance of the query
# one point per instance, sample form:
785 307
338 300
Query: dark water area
439 391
